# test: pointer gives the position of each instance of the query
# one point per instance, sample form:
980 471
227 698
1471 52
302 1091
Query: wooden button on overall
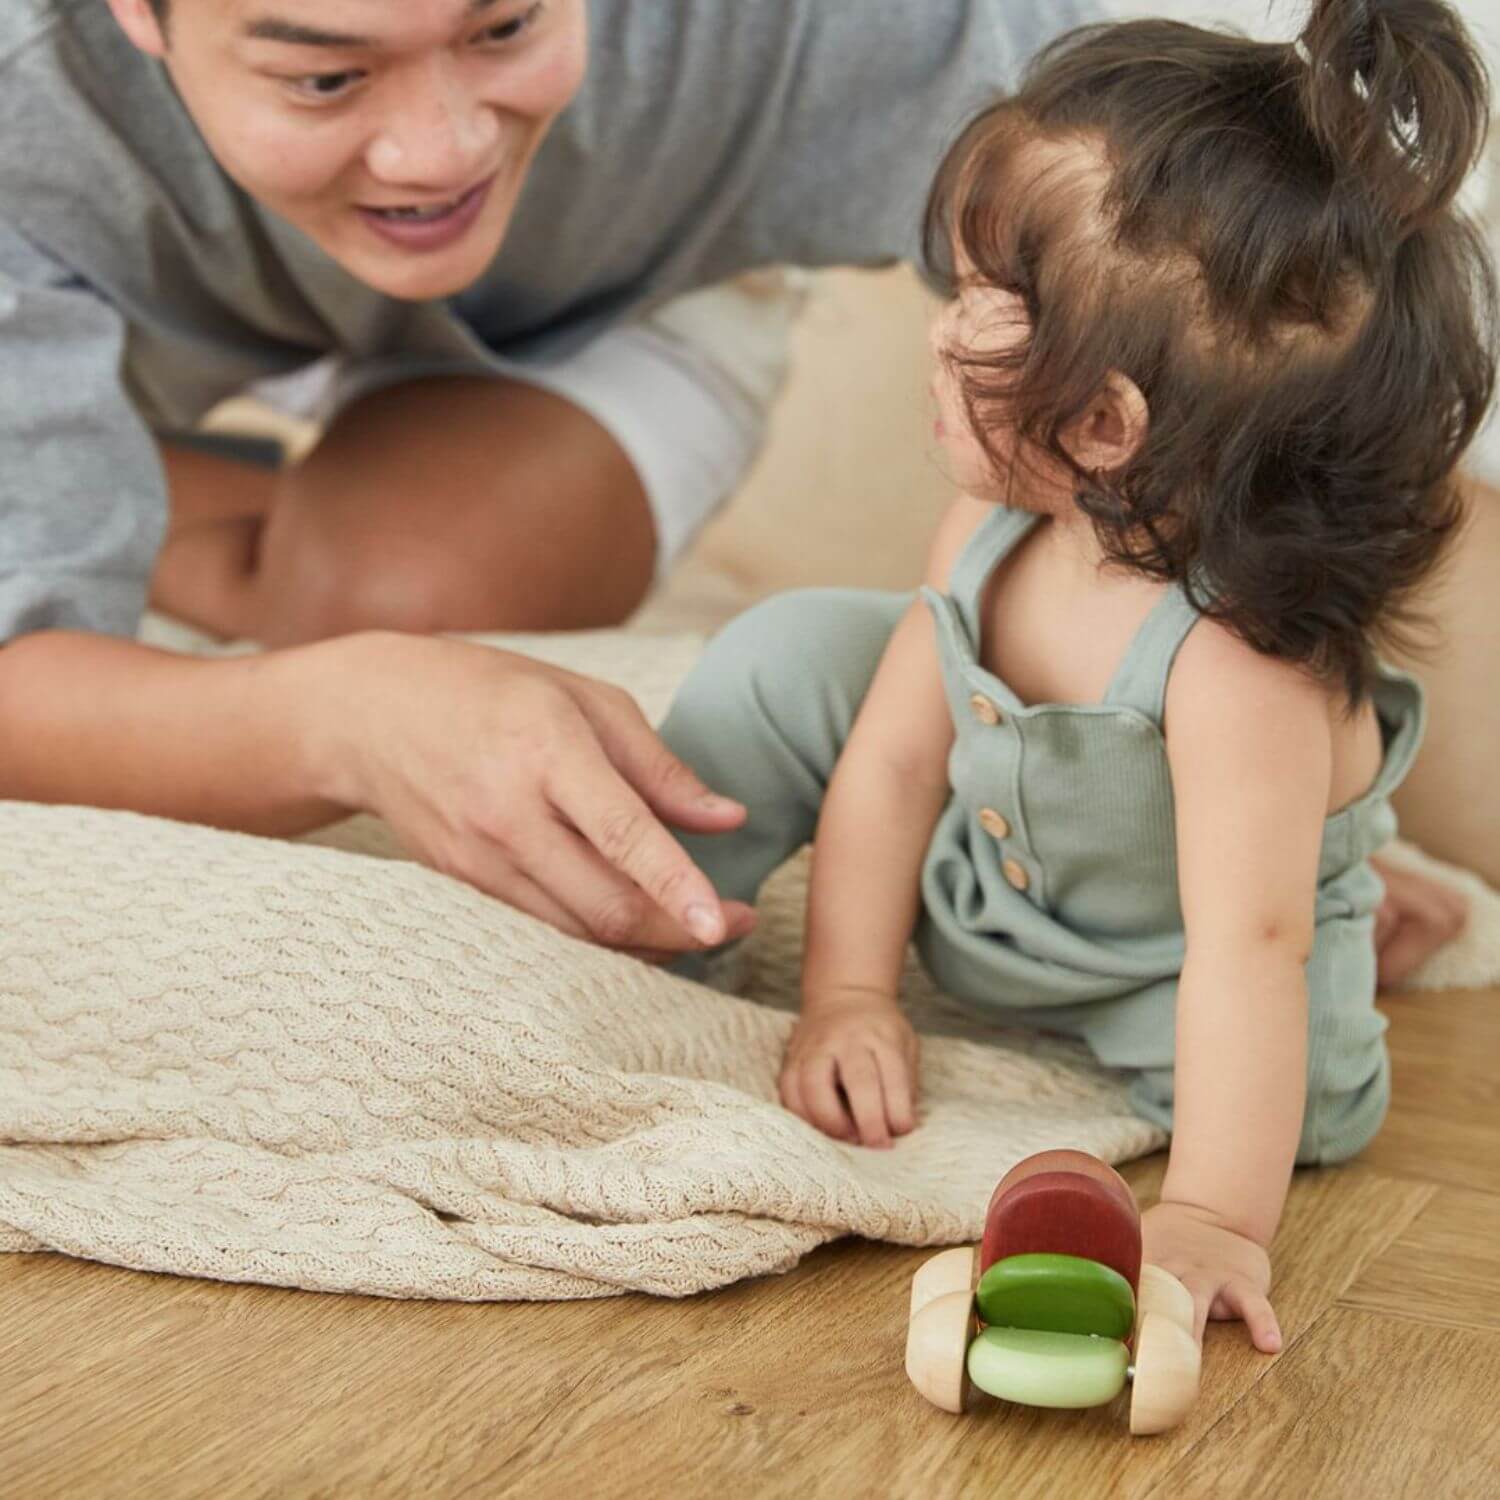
993 823
984 710
1015 872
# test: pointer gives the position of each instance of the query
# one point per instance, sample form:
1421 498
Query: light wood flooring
118 1383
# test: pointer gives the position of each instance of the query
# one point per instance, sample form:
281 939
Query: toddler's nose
940 332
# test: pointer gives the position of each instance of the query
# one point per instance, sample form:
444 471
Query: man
199 194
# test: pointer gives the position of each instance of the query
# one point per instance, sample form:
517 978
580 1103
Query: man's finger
739 918
658 958
614 911
668 785
503 881
592 795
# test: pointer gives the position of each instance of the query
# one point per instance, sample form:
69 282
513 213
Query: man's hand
861 1044
1228 1274
540 787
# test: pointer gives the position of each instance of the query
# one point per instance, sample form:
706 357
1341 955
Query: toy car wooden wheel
1164 1374
1161 1292
947 1271
937 1349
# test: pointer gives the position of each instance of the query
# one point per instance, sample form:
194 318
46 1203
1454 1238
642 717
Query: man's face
396 134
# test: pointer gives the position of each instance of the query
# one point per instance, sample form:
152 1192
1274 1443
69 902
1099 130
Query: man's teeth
419 215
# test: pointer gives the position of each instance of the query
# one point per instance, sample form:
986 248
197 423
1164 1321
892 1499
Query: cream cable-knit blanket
320 1065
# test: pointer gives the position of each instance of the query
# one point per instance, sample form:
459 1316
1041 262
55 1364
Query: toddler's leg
1348 1067
764 715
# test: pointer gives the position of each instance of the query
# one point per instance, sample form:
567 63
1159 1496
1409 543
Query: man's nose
438 136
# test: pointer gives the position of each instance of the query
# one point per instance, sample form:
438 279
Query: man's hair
1263 238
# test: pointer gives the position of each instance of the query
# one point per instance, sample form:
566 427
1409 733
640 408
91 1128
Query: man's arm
535 785
101 722
539 787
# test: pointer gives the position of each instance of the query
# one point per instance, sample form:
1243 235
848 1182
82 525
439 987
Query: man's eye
508 31
325 86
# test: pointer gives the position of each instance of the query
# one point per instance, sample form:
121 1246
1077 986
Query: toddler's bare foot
1419 914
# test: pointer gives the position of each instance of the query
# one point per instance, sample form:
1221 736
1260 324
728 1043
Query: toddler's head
1215 294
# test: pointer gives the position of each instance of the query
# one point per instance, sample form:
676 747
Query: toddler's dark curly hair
1263 237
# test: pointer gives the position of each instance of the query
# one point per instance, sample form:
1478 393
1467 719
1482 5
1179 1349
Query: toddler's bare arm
886 793
1250 748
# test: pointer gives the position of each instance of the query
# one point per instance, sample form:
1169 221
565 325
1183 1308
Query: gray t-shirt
139 286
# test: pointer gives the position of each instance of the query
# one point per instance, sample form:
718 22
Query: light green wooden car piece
1036 1367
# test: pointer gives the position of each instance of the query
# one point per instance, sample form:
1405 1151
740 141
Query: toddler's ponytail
1397 94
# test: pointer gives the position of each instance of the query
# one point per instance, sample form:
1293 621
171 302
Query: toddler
1216 340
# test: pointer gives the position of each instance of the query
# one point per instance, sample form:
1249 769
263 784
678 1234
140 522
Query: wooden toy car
1055 1307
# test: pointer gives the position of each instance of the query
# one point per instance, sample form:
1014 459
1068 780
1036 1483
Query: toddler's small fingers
1251 1304
895 1081
821 1097
1203 1292
790 1089
861 1079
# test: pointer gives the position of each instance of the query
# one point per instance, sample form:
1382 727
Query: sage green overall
1049 890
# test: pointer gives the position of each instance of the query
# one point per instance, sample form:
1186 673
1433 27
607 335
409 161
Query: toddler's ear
1111 429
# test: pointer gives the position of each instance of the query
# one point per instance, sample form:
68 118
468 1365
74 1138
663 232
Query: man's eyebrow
295 34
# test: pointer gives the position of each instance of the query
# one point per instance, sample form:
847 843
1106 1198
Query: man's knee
457 505
316 583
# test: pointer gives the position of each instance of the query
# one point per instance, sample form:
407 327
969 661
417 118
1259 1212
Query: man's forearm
101 722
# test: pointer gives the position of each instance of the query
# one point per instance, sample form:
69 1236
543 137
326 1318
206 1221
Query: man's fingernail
712 799
703 924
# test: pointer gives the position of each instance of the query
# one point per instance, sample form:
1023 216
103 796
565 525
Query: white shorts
686 391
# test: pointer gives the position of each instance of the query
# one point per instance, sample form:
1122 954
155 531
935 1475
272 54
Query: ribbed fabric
1070 918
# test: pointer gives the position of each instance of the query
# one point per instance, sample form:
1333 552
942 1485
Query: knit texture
321 1065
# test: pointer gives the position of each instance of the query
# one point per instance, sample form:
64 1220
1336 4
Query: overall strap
1140 681
991 542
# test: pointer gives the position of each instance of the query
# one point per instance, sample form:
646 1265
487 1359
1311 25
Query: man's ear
138 20
1111 429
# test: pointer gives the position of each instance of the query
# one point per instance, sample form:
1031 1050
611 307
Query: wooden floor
117 1383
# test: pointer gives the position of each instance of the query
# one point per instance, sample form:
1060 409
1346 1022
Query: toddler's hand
1228 1274
861 1043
